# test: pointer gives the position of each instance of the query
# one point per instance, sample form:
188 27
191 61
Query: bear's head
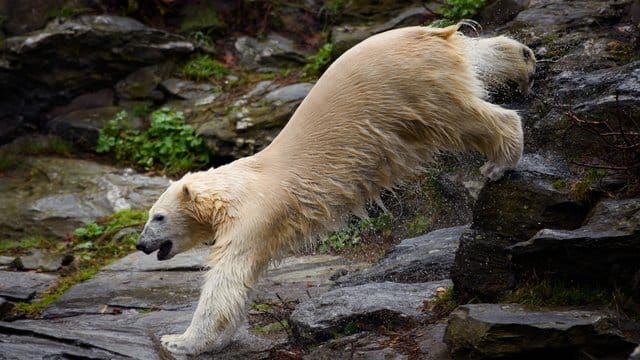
189 213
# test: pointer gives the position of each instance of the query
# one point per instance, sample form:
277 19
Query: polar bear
379 113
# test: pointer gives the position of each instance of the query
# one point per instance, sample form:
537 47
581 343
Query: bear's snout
143 247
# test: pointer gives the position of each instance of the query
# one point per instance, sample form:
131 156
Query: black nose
141 247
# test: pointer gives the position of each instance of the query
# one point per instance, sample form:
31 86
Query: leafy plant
169 144
318 62
454 10
352 233
203 67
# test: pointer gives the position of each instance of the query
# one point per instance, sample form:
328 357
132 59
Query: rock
142 83
528 200
5 307
129 335
635 355
604 250
317 319
488 331
275 50
548 15
499 12
112 292
6 260
65 59
39 260
299 278
22 286
346 36
82 127
53 196
506 212
252 122
189 90
193 260
98 99
425 258
294 92
360 346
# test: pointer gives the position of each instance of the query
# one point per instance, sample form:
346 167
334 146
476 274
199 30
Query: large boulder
67 58
605 250
507 212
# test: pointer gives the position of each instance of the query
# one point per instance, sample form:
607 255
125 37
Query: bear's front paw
492 171
180 344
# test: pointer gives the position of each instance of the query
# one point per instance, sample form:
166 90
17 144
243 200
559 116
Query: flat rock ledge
489 331
339 310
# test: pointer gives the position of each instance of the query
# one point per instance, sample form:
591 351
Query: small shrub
169 144
352 233
318 62
455 10
203 67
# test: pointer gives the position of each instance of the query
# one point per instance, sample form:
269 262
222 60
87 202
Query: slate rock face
605 250
507 212
487 331
17 285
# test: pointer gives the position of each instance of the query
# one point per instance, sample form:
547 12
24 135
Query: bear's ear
188 193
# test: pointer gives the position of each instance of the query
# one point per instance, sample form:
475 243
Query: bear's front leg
220 308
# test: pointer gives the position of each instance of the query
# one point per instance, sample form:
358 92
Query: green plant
318 62
419 225
273 327
65 11
455 10
10 246
556 293
203 67
333 7
169 144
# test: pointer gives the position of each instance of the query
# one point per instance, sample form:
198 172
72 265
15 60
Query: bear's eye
158 217
526 54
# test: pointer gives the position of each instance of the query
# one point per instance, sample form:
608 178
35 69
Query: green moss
273 327
92 246
582 188
262 307
8 162
550 293
334 7
9 246
65 11
351 235
560 184
418 226
200 16
203 67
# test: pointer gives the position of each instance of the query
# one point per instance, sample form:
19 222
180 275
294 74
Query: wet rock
189 90
39 260
129 335
298 278
193 260
358 346
487 331
528 200
252 122
5 307
142 83
65 59
499 12
425 258
22 286
53 196
316 319
346 36
111 292
99 99
6 260
546 15
82 127
275 50
506 212
605 250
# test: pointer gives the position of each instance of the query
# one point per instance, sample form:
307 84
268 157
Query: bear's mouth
165 249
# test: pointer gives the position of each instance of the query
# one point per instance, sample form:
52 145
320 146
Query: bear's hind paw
493 171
